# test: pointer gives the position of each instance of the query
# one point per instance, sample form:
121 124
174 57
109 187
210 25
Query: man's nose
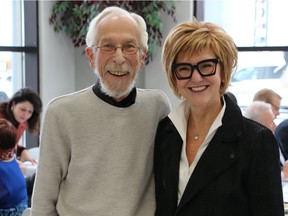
119 56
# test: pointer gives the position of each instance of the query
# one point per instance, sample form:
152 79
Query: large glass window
19 51
255 26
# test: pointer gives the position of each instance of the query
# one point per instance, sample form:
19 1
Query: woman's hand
26 157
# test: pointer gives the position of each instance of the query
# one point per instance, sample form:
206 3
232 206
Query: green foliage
73 18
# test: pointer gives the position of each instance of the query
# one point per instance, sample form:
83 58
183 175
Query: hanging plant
73 17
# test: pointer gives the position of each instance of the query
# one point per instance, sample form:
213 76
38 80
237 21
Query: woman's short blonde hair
193 37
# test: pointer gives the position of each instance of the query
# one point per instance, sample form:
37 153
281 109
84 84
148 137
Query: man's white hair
91 37
256 109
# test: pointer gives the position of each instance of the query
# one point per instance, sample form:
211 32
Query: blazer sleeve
264 178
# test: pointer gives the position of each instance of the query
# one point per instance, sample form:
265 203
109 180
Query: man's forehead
117 18
127 39
118 27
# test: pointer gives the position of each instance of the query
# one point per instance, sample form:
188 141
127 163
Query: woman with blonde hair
208 158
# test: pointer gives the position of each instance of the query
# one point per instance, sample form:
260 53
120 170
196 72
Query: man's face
276 102
117 70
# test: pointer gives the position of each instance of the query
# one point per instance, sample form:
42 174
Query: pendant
196 137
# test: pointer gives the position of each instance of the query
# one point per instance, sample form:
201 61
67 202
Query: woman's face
22 111
198 90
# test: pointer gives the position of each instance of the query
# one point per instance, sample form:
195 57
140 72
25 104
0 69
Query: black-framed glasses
129 49
205 68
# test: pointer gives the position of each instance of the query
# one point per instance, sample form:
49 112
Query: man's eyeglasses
128 49
276 108
205 68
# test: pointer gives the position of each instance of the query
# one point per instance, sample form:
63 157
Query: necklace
196 136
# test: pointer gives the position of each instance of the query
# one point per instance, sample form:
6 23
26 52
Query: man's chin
115 92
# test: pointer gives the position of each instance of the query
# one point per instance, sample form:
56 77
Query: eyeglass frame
276 108
196 66
115 48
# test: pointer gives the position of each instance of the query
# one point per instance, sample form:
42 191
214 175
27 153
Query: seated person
262 113
13 192
271 97
23 110
281 134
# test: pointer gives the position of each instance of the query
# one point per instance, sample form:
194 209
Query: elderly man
262 113
96 150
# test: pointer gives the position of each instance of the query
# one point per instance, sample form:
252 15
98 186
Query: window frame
31 51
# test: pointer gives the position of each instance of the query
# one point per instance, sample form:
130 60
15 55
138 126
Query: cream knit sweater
96 159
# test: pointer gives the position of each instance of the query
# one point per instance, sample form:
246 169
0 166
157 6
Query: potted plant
73 18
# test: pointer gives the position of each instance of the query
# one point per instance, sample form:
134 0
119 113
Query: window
19 50
255 26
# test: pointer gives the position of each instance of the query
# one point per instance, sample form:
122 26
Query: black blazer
237 175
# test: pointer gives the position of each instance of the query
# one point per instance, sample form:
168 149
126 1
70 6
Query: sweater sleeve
53 161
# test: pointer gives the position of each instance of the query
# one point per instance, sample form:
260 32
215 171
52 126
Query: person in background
105 131
281 134
23 110
271 97
262 113
209 159
13 193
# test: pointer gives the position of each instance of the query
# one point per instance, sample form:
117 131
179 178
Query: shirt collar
126 102
179 117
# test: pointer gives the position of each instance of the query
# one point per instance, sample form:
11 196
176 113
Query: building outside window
19 51
258 29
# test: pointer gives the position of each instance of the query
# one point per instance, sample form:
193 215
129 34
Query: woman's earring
12 108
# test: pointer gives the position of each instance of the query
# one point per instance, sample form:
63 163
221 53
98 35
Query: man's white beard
116 94
113 93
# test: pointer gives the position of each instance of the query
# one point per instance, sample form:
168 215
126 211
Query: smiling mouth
118 73
197 89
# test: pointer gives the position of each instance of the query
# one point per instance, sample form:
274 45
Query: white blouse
179 117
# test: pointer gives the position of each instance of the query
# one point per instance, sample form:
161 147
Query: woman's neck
203 118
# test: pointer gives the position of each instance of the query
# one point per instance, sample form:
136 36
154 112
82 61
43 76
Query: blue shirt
12 184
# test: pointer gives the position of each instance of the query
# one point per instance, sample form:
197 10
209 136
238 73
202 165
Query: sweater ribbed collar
126 102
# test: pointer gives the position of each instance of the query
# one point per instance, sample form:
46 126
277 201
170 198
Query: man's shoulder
73 97
156 99
156 93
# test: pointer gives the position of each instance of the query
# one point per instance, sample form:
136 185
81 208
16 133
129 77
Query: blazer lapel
220 154
171 170
217 157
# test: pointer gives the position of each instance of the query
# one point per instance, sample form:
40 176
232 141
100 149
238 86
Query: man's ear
143 53
90 56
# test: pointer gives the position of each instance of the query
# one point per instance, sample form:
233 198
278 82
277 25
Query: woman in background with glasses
209 159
